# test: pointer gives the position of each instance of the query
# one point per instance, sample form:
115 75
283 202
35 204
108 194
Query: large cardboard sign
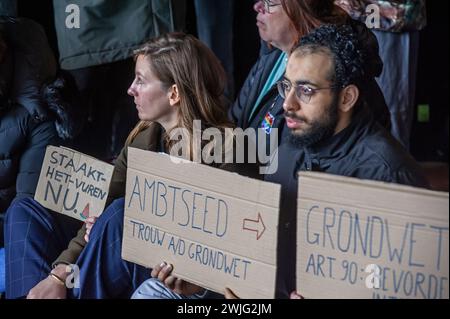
72 183
217 228
365 239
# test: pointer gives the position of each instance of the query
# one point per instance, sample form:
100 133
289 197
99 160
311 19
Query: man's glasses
303 92
268 5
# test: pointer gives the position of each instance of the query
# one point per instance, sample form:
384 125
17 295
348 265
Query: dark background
429 140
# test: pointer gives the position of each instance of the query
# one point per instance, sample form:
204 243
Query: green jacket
110 30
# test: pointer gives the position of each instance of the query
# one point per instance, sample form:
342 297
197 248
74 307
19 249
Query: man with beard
331 130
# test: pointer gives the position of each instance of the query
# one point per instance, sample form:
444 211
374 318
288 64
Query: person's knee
20 210
111 218
118 204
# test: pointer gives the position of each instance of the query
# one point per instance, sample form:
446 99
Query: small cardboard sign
73 184
363 239
218 229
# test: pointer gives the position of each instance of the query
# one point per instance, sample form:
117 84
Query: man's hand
89 224
178 286
51 288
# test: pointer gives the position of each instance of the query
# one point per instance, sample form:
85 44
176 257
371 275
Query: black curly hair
342 44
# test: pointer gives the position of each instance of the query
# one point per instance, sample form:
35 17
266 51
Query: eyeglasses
303 92
268 5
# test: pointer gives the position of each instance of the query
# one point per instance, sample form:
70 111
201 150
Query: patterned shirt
395 15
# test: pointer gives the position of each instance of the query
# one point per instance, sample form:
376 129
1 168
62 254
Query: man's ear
174 95
348 98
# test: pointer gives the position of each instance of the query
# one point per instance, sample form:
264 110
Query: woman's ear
174 95
349 97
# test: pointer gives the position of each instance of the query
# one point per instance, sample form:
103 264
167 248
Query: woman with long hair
178 80
165 69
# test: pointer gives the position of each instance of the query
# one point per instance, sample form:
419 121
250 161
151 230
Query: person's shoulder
379 157
269 54
148 136
18 126
233 148
383 151
15 116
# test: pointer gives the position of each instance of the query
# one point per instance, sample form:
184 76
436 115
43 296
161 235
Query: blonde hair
182 60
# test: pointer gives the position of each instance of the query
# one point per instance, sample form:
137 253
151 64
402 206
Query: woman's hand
51 288
89 224
178 286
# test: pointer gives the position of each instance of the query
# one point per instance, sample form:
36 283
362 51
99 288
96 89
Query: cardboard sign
365 239
218 229
72 183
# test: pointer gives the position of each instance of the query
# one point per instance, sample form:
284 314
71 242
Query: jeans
34 238
103 272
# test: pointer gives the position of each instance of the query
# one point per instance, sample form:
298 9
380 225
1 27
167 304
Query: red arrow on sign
255 226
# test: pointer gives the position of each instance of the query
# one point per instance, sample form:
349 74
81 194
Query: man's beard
319 130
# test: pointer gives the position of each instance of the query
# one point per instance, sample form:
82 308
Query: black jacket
34 63
28 115
242 108
363 150
23 141
240 111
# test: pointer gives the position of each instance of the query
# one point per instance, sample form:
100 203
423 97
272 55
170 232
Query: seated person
282 24
25 128
331 130
33 113
177 80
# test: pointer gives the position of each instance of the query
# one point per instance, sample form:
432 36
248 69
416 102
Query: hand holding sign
89 224
295 295
197 218
163 272
72 183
